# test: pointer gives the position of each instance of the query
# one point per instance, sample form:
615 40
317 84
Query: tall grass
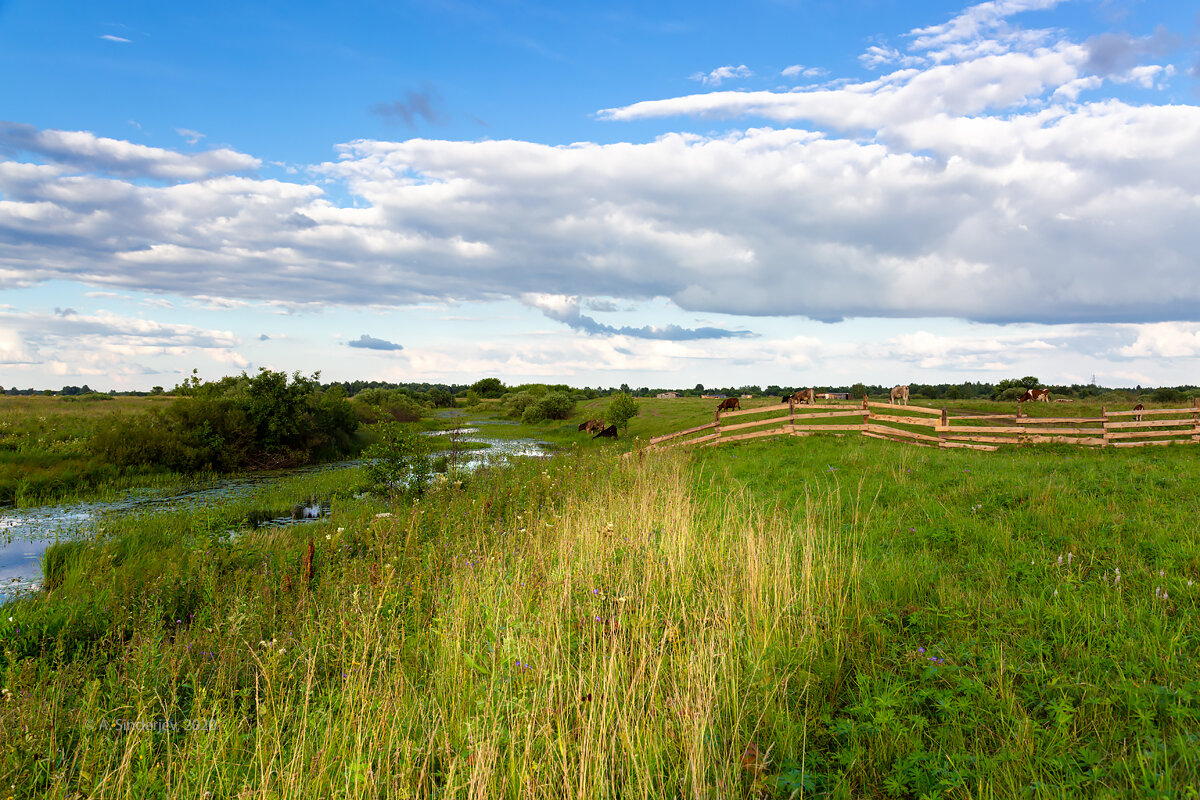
619 627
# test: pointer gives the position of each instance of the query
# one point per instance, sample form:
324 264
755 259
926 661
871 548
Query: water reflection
26 533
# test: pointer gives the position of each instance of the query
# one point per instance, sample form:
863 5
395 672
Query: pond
25 533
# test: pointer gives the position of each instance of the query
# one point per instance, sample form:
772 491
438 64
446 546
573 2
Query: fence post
1104 413
945 424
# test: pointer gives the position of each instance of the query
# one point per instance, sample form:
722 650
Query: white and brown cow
1139 407
1039 395
899 393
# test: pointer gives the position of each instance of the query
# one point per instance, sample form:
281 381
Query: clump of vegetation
536 403
399 462
388 405
621 409
241 422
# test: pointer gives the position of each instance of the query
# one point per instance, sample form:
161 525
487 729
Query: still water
25 533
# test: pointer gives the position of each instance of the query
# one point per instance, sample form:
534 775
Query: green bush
621 409
399 462
1166 394
234 423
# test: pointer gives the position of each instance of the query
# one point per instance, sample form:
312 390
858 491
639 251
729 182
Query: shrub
1166 394
399 461
621 409
237 422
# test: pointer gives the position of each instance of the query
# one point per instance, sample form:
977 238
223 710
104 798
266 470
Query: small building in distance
747 396
712 397
834 396
665 395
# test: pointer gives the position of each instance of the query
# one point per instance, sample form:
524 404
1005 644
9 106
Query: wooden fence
930 427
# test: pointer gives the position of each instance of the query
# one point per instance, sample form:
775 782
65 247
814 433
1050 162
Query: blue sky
786 192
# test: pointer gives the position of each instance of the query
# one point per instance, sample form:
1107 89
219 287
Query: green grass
818 617
43 448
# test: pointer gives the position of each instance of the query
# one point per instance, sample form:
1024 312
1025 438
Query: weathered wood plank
1016 430
1048 420
893 439
1086 440
995 439
884 429
1149 423
918 409
665 437
1151 412
984 416
825 428
929 423
755 424
1149 434
851 413
1157 441
971 446
777 408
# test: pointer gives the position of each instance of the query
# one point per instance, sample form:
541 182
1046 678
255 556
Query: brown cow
1138 407
803 396
899 393
729 403
1039 395
592 425
609 432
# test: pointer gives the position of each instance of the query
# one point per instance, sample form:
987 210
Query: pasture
817 617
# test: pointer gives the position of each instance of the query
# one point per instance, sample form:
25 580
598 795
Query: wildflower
1069 557
1060 561
1056 592
341 530
383 515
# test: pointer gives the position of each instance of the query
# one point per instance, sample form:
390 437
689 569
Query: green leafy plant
621 409
399 462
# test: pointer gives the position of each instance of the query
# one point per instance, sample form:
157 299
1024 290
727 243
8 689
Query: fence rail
969 431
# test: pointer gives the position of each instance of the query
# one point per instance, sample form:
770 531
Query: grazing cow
1040 395
729 403
609 432
1138 407
592 425
803 396
899 393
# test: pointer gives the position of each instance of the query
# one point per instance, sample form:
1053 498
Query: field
819 617
43 452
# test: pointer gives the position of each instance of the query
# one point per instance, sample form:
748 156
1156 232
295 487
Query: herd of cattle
597 426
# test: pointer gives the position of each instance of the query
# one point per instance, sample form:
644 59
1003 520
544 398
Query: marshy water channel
25 533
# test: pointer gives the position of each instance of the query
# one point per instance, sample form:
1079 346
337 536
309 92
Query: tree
621 409
858 390
488 387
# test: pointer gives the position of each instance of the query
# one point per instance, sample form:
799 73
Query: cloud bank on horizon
985 171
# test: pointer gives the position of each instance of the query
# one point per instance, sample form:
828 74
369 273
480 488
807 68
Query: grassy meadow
43 446
818 617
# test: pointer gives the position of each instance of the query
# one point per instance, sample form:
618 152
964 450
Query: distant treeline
445 395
